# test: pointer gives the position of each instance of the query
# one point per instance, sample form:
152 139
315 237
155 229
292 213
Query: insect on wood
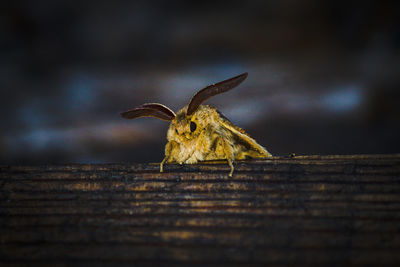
200 132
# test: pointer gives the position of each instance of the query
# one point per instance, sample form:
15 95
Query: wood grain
319 210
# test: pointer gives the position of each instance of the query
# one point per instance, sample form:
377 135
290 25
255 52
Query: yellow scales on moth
200 132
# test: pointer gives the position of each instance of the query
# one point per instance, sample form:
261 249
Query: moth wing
246 146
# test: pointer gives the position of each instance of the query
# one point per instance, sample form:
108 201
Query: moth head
188 127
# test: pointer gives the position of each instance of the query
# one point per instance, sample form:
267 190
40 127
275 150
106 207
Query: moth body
200 132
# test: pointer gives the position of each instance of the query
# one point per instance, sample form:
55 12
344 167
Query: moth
200 132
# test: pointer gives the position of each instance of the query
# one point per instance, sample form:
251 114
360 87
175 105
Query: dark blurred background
323 75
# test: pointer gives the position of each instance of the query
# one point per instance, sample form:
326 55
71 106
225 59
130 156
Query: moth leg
224 150
162 164
168 149
230 165
171 149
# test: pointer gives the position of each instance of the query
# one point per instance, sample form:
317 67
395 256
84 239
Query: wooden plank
319 210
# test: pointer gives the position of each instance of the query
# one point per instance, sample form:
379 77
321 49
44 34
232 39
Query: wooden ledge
302 210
